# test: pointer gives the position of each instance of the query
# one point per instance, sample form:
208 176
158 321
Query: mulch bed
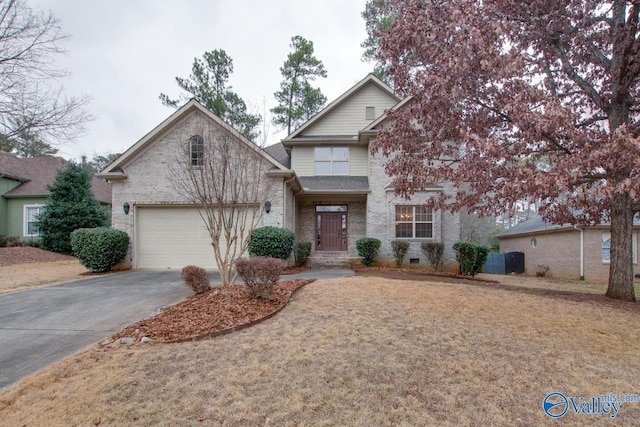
211 313
28 255
417 274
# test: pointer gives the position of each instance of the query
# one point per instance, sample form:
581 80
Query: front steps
332 260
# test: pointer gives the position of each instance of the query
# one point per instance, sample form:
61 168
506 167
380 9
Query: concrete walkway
43 325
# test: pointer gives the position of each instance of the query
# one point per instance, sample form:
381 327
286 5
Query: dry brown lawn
21 276
362 351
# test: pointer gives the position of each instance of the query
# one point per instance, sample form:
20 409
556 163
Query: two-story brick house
328 187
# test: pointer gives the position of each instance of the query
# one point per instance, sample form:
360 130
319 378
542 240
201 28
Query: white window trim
25 227
413 223
331 162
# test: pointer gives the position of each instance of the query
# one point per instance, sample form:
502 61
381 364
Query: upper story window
331 161
30 219
414 222
196 150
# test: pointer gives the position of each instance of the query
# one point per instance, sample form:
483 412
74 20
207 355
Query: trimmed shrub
99 249
260 274
368 249
272 242
470 257
196 278
400 248
301 252
433 252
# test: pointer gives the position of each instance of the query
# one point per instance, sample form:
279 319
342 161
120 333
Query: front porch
332 224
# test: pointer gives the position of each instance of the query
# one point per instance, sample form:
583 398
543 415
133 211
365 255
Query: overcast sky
124 53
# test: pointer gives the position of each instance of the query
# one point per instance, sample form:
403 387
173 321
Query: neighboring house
329 189
569 251
24 193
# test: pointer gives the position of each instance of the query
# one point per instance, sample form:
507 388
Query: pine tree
71 206
208 84
297 100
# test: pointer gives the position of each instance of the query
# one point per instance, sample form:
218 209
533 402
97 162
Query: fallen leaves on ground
216 310
28 255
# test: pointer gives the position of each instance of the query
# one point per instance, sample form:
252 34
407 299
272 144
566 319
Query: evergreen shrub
301 252
99 249
400 248
368 248
274 242
433 251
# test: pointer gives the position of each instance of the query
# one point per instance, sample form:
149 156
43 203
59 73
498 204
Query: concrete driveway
41 326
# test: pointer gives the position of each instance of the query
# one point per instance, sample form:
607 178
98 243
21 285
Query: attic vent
370 113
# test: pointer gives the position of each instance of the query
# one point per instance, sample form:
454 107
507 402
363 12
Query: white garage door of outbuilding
172 237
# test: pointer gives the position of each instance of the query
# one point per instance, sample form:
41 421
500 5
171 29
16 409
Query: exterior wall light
126 208
267 206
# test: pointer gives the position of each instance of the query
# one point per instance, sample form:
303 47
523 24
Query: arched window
196 149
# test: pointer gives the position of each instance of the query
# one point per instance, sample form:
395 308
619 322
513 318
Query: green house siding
5 185
15 213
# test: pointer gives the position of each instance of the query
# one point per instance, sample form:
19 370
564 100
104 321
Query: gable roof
114 170
278 152
369 79
383 118
36 173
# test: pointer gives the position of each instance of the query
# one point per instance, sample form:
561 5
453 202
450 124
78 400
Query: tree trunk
621 267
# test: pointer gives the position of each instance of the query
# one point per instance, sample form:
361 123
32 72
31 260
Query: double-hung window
331 161
30 216
414 222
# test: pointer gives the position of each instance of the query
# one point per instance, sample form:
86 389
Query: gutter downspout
581 250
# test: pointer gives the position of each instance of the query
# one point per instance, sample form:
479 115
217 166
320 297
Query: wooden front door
331 231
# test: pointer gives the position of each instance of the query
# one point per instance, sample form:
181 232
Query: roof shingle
38 172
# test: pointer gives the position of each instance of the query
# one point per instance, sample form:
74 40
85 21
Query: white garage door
170 237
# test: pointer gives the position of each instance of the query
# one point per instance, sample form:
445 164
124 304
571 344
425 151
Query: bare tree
30 96
225 177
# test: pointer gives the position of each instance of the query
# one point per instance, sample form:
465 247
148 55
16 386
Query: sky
124 53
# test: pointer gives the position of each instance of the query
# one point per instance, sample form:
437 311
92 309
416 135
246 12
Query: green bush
101 248
272 242
471 257
260 274
400 248
433 252
71 206
368 249
301 252
481 257
196 278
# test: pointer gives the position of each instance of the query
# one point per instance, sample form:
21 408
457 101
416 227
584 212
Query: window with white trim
331 161
606 248
30 220
414 222
196 150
